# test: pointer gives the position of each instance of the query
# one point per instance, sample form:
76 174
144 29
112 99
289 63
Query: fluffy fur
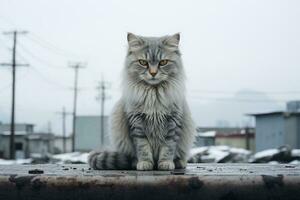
151 124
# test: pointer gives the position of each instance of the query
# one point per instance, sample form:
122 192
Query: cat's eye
143 62
163 62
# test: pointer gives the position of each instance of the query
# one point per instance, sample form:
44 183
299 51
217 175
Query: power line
76 67
5 87
102 87
42 42
5 46
43 77
49 81
50 47
13 65
40 60
206 92
2 89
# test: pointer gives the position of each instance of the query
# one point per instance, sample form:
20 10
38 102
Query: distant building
88 133
275 129
20 129
245 140
205 138
20 143
293 106
26 141
230 136
39 144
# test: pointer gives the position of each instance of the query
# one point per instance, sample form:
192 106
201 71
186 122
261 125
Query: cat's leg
142 146
143 152
167 149
166 156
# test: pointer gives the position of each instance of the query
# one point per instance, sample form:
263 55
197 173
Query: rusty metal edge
149 187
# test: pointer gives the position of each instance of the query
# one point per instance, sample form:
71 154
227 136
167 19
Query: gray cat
151 124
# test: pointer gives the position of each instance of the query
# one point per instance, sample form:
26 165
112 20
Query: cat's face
153 60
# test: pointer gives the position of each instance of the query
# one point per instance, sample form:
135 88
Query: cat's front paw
166 165
144 165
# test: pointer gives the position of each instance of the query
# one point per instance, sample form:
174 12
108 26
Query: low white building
27 142
39 144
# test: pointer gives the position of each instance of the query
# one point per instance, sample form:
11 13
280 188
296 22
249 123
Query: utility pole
76 67
247 133
13 65
64 115
102 87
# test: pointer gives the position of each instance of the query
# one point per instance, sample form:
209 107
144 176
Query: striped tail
107 160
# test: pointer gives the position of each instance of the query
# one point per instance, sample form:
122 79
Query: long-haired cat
151 124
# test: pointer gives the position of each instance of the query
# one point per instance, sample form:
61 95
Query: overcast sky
227 46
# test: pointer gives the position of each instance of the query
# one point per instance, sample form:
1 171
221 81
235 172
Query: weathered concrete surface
198 181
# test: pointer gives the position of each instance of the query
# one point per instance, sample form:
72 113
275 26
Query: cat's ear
134 42
172 42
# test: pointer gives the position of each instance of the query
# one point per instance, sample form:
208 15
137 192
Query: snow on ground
273 162
207 134
75 157
266 153
217 153
13 162
240 151
72 157
197 150
7 162
295 162
296 152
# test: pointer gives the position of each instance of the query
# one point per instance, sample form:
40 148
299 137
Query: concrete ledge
198 181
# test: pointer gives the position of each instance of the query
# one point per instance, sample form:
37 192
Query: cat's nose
153 71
